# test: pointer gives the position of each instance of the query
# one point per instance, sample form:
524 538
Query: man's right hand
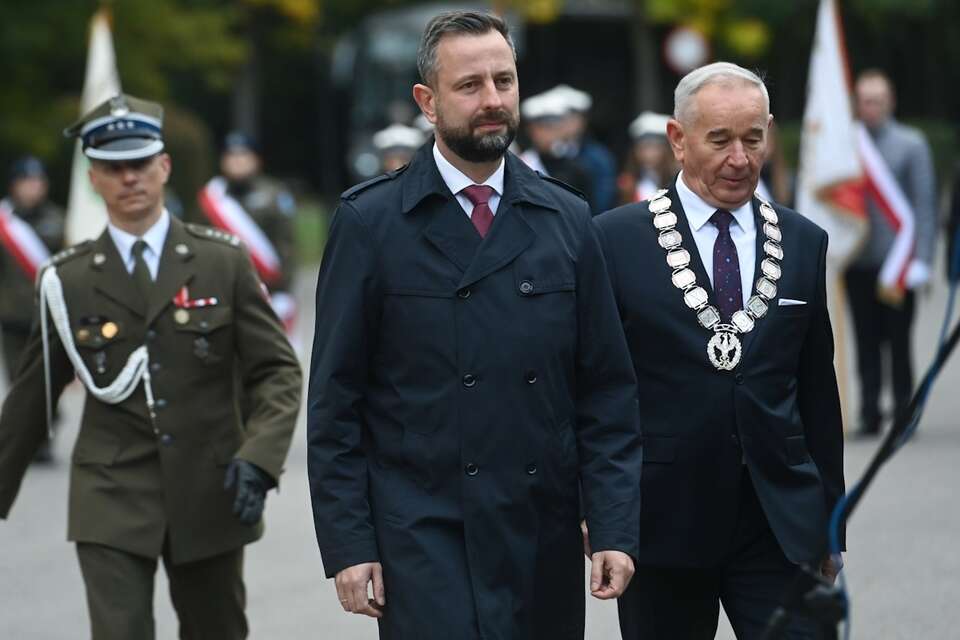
352 589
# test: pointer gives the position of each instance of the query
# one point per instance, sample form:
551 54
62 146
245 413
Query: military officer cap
121 128
240 141
398 136
27 167
649 125
573 99
544 107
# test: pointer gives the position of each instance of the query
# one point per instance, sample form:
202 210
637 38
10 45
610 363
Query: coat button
531 376
526 287
154 367
464 293
204 324
471 469
738 378
735 439
151 334
469 380
531 469
166 439
160 404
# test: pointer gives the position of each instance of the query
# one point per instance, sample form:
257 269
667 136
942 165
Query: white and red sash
21 241
883 188
225 212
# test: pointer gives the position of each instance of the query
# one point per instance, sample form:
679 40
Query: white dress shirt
743 233
456 181
154 237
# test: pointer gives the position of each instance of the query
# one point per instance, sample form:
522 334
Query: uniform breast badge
724 348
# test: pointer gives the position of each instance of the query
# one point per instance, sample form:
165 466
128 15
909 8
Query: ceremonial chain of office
724 348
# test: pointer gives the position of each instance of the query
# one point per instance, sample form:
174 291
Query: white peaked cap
398 135
649 123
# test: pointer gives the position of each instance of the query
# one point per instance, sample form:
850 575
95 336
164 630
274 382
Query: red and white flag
830 178
21 241
225 212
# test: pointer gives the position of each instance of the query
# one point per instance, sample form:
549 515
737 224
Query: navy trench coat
465 395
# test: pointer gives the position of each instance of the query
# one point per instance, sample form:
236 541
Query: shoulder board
71 252
212 233
563 184
353 191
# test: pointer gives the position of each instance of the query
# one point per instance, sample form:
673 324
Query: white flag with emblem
86 213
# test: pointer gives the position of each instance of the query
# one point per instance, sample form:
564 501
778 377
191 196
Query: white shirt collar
698 211
154 237
456 180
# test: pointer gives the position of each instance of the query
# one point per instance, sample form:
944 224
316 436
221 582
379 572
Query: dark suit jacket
137 485
779 409
459 388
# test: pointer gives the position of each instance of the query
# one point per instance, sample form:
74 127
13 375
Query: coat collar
422 180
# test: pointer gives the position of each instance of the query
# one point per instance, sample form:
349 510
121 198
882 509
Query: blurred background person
953 230
776 180
593 157
31 229
883 325
396 145
260 211
649 165
544 119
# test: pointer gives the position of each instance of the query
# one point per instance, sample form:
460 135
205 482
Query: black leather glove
252 484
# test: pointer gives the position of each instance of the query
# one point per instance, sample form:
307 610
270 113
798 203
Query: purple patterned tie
726 267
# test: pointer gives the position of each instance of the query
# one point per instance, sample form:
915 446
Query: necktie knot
478 194
721 219
138 248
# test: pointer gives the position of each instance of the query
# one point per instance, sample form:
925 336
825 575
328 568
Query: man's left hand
610 574
252 485
918 275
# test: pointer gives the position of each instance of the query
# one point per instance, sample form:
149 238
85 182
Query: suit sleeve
923 197
817 393
270 372
608 435
345 330
23 420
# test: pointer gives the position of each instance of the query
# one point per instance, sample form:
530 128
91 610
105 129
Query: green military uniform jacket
138 483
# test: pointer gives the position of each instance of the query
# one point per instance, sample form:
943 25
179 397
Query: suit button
531 469
738 378
471 469
166 439
469 380
526 287
464 293
531 376
160 404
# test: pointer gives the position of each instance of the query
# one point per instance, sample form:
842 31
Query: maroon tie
482 216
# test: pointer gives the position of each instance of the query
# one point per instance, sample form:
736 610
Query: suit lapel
113 280
176 269
760 324
696 262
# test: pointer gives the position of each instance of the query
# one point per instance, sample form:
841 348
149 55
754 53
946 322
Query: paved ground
903 570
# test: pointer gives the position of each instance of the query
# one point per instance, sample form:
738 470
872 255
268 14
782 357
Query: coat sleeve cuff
615 541
337 559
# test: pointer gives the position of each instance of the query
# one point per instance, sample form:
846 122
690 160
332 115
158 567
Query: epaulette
70 252
563 184
212 233
353 191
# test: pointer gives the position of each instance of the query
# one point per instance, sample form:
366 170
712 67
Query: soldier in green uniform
260 211
43 233
167 326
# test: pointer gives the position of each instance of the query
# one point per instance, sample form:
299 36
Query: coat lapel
451 232
175 271
509 236
112 279
760 324
696 262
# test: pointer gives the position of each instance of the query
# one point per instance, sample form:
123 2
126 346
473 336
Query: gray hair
716 73
455 23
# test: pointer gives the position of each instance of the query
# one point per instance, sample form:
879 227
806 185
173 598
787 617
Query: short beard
485 148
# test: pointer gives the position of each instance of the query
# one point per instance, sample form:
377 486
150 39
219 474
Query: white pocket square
790 302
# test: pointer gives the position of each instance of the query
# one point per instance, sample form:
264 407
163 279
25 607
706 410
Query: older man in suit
723 301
